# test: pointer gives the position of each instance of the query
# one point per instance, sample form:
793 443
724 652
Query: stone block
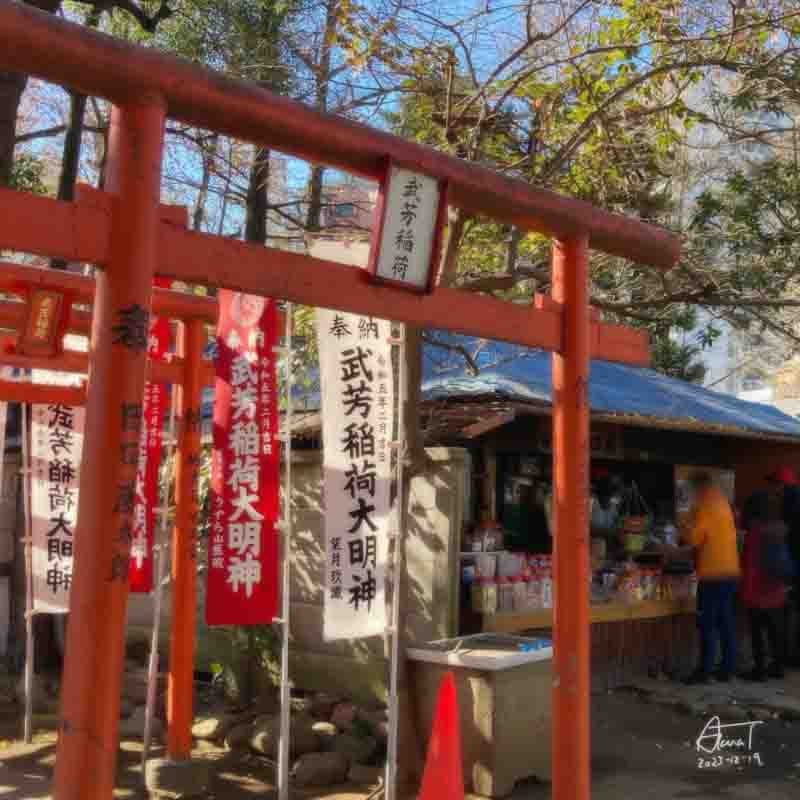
322 705
326 733
133 727
321 769
503 740
174 780
363 680
214 727
362 775
359 749
238 737
344 715
266 735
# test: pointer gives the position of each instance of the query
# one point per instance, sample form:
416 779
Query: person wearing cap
762 594
712 534
784 484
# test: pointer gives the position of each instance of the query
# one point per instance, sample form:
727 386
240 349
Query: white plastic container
547 590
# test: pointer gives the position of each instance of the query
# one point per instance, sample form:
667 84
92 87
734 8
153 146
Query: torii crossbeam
124 232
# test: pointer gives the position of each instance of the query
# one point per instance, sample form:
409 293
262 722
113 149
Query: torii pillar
90 697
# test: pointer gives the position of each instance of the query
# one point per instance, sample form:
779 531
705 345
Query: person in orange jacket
712 535
763 595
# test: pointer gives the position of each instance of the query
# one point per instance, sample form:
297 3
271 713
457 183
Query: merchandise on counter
505 595
599 549
547 590
510 564
519 587
486 565
484 596
633 542
534 591
493 539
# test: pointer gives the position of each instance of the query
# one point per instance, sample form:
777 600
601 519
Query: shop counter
541 619
504 686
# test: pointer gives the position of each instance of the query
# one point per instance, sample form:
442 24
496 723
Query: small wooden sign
406 240
41 334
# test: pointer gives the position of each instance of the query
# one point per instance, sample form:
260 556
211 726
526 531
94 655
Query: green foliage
678 360
241 37
599 107
27 174
746 235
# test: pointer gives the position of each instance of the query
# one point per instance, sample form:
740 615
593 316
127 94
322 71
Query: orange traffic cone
444 778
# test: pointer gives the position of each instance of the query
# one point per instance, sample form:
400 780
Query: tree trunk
323 74
208 153
12 85
71 157
258 198
314 216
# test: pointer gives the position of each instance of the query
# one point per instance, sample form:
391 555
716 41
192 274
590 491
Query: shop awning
463 371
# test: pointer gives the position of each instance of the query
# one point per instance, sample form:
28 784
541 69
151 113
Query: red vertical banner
242 575
148 461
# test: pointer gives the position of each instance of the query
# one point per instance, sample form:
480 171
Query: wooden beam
204 259
23 392
13 277
486 425
72 361
198 257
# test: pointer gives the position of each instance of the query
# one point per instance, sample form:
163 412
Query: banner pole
397 572
29 640
162 553
286 534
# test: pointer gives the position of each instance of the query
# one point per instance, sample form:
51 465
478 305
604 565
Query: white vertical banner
357 413
56 446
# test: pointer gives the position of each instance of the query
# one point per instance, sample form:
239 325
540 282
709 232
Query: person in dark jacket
783 483
762 595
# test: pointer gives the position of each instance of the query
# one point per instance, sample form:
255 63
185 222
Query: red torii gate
125 232
189 374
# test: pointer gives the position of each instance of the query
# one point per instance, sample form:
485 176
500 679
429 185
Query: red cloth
783 474
757 589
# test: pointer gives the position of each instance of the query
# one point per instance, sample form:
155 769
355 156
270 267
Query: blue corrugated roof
523 374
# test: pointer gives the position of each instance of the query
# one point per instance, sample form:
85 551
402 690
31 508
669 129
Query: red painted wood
571 673
89 709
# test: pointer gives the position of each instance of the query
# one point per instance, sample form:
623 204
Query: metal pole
29 641
162 552
86 758
571 776
180 682
286 548
397 582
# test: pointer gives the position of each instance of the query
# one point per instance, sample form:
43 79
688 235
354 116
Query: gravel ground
641 751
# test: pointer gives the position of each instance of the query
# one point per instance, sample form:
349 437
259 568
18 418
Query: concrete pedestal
504 701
